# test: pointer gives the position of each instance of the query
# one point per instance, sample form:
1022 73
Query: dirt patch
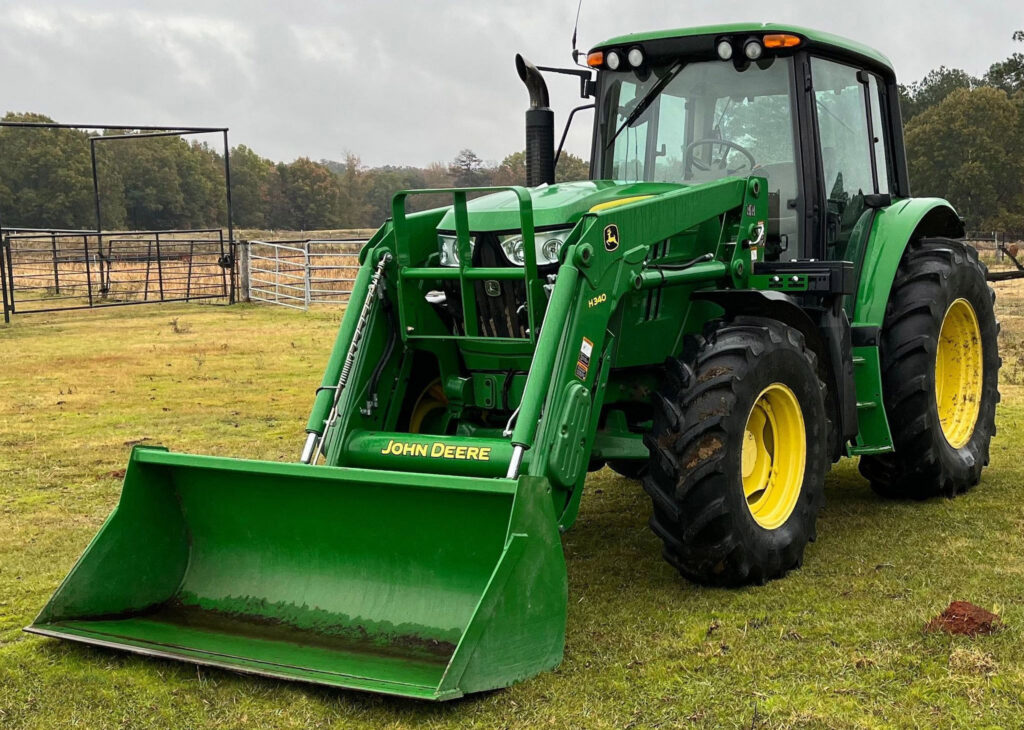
116 474
962 617
713 373
708 447
668 440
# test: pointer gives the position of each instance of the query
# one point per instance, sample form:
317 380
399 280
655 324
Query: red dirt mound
962 617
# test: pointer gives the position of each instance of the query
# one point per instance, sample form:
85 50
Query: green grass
836 644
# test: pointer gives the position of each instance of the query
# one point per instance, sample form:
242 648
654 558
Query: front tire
940 373
738 455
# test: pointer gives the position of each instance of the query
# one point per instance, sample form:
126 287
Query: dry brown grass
329 234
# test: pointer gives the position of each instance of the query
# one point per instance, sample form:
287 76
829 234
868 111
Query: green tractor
743 293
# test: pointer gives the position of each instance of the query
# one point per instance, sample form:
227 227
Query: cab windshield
710 120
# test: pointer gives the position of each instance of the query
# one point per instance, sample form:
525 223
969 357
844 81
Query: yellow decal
616 203
437 450
599 299
611 237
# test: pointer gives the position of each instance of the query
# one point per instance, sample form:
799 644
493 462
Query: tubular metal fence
55 270
300 273
1002 251
52 270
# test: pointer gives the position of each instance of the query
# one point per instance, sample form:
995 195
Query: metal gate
58 270
299 273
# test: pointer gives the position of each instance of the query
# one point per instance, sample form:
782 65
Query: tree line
965 141
161 183
964 138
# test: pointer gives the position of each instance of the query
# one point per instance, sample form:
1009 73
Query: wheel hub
774 456
958 373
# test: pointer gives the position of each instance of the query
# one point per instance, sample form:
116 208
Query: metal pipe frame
180 276
273 265
131 131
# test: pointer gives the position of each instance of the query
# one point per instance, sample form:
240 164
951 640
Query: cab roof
815 37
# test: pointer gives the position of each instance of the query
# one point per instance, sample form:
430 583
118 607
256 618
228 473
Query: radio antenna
575 27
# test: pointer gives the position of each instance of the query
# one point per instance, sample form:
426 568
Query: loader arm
551 430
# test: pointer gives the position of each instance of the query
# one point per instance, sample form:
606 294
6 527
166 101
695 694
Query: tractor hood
553 205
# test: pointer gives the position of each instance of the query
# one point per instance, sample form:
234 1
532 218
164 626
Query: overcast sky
396 82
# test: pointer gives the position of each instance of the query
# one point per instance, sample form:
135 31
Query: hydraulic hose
354 341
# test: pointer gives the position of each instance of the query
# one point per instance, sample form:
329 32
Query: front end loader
743 293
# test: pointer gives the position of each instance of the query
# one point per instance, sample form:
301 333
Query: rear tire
707 480
940 311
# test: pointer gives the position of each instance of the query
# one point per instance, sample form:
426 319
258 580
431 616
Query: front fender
894 227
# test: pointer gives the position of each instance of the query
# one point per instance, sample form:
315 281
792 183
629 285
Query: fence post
244 269
88 267
277 274
4 243
56 276
188 276
104 261
305 273
231 275
149 262
159 266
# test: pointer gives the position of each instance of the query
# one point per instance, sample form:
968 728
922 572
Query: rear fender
893 229
771 304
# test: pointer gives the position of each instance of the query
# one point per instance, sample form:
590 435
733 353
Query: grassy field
838 644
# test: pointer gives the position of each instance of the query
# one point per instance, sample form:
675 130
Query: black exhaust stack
540 127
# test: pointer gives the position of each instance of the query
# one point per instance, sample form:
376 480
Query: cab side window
846 149
878 131
630 158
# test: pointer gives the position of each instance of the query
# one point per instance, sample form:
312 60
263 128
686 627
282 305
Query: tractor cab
814 114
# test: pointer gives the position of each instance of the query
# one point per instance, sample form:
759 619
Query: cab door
852 154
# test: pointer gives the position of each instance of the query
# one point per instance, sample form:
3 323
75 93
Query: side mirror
878 200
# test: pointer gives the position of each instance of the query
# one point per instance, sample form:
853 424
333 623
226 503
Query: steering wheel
689 159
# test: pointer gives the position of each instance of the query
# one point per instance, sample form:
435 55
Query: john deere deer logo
611 237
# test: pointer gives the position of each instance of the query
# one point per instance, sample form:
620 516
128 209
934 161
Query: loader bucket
409 584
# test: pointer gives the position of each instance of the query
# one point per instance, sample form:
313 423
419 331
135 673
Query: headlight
548 244
512 246
448 247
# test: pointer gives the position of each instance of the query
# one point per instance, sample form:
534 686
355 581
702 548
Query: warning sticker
583 363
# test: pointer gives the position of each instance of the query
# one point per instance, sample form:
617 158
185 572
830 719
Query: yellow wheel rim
958 373
774 455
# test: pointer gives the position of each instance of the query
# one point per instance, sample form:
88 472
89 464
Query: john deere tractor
743 292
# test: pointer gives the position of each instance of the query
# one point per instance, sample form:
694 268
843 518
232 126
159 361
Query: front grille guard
414 323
